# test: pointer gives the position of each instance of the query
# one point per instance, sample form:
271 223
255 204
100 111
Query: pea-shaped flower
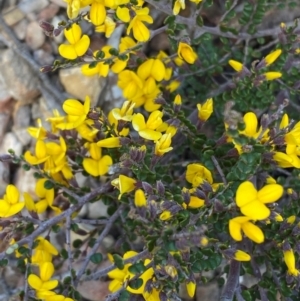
78 43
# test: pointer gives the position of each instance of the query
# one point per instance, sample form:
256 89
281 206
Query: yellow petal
123 14
241 256
196 202
246 193
73 107
191 288
270 193
73 34
35 282
97 13
235 230
111 142
237 66
104 164
138 122
253 232
250 120
82 45
12 194
150 134
91 166
255 210
46 271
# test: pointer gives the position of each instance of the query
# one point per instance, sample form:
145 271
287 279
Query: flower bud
160 187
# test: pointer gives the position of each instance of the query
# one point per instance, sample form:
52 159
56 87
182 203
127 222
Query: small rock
96 210
20 29
4 176
79 85
25 181
22 120
13 15
35 36
30 6
18 78
48 12
10 141
4 121
94 290
43 57
60 3
60 38
208 292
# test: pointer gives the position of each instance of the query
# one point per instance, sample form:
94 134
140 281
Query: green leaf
3 262
137 268
48 185
96 258
64 254
119 262
124 296
199 21
136 284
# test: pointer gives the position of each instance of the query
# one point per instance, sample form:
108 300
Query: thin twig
97 244
26 287
68 244
219 169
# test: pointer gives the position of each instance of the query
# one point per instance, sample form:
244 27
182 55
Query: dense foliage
198 167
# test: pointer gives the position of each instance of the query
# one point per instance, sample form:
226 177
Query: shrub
200 163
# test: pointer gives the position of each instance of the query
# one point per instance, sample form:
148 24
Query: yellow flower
272 75
111 142
252 202
43 283
58 298
97 165
162 145
237 66
205 110
242 223
56 119
39 132
130 83
125 113
272 57
97 13
166 215
40 154
121 276
290 158
78 44
289 259
108 27
197 174
10 204
191 288
147 130
241 256
100 68
124 184
77 113
152 68
43 252
140 32
178 5
140 198
186 52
